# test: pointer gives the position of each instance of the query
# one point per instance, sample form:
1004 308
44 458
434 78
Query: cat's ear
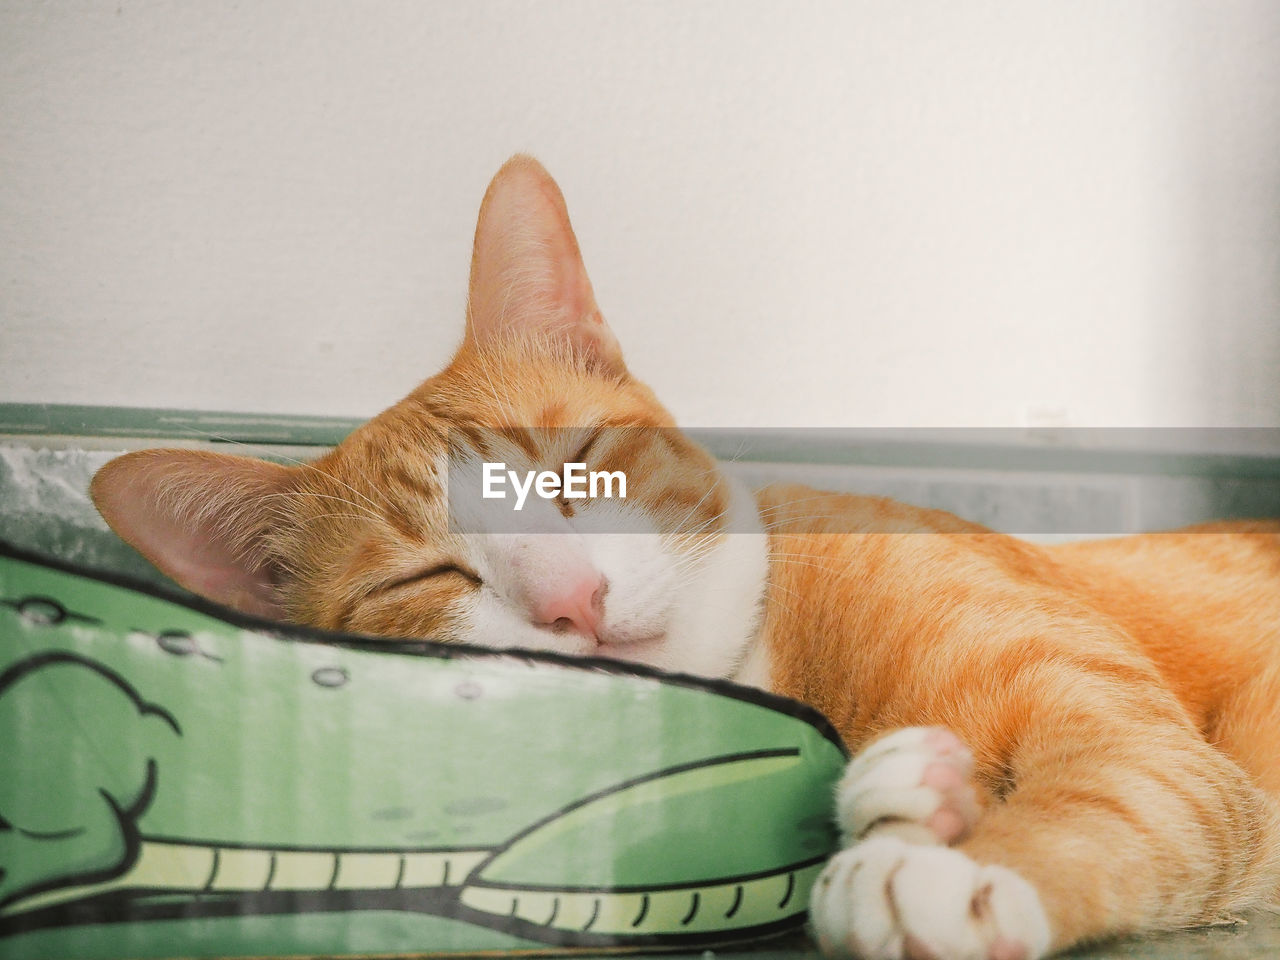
200 517
527 274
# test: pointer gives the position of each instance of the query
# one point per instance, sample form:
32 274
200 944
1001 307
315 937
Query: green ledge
1239 453
65 419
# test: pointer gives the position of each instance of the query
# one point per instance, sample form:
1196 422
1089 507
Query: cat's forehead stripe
521 438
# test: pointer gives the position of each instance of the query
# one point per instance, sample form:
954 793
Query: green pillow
180 780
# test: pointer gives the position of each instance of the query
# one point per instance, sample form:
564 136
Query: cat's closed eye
431 573
584 449
581 455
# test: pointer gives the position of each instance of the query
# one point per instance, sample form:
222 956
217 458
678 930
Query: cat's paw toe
889 900
916 784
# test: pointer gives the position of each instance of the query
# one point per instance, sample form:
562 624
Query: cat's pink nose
579 608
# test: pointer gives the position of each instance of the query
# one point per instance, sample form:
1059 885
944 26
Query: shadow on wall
1233 266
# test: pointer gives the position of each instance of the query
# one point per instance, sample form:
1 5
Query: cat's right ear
201 518
527 274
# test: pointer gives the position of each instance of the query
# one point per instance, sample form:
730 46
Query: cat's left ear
201 518
527 274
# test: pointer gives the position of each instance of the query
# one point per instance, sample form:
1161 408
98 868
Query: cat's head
390 533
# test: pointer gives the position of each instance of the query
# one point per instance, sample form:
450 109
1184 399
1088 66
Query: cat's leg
1117 821
1135 830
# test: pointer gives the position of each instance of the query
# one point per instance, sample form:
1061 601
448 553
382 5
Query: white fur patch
716 620
915 784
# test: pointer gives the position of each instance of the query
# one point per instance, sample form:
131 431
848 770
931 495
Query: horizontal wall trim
1204 452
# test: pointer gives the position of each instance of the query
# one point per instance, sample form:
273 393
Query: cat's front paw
890 900
915 784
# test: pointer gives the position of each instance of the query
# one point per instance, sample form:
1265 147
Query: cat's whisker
836 573
783 521
810 560
794 609
801 563
288 459
689 562
804 516
714 483
771 583
701 542
802 556
773 518
308 495
330 516
742 448
689 565
504 405
788 504
700 531
691 511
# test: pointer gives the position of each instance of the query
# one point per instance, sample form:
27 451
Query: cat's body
1120 699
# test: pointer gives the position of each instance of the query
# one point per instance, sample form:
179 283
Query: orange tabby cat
1057 744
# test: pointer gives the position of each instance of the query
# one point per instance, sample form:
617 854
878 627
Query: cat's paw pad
915 784
890 900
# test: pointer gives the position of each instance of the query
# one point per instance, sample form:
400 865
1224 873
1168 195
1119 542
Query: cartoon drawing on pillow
172 766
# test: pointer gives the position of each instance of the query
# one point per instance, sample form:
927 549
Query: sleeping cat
1057 745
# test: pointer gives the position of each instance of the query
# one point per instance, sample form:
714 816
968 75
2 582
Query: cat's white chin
647 651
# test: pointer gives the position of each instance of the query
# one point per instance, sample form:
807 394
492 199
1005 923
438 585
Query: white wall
897 213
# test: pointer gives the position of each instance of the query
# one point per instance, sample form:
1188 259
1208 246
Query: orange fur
1120 697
